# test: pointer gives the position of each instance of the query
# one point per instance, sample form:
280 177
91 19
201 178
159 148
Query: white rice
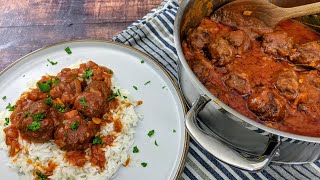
43 153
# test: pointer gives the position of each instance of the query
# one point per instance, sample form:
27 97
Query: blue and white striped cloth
154 35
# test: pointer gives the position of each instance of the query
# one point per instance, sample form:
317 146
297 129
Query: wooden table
26 25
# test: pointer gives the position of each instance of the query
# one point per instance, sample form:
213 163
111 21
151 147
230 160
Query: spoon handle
304 10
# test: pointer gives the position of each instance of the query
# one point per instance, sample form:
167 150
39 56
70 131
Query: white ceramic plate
162 108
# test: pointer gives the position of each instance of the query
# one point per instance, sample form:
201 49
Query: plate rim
175 85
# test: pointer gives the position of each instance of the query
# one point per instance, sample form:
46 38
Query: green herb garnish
163 87
48 101
83 102
144 164
148 82
45 86
27 114
51 62
34 126
68 50
39 116
4 98
113 95
56 81
118 92
7 121
97 140
60 108
105 117
9 107
142 61
174 130
41 176
151 133
135 87
155 143
74 126
88 73
110 71
135 149
125 97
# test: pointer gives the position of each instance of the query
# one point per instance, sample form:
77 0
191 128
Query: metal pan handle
221 150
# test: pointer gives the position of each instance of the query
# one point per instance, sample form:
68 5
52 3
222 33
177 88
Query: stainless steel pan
222 131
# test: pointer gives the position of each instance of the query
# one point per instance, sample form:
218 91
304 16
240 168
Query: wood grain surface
26 25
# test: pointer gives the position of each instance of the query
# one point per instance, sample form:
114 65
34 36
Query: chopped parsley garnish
4 98
56 81
174 130
48 101
118 92
144 164
112 97
151 133
125 97
163 87
148 82
9 107
110 71
135 149
39 116
142 61
88 73
74 126
97 140
7 121
45 86
60 108
27 114
155 143
51 62
105 117
135 87
68 50
83 102
41 176
34 126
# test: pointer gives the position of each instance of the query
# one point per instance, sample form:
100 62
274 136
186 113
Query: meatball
68 86
238 83
277 43
35 134
307 54
221 52
90 103
74 133
288 85
267 105
100 86
313 77
34 123
239 40
199 38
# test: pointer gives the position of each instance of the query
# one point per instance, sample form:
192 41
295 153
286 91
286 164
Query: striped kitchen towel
154 35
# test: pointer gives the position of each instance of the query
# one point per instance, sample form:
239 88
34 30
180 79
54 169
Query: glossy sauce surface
269 75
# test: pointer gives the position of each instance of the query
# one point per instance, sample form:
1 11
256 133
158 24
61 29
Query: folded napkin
153 34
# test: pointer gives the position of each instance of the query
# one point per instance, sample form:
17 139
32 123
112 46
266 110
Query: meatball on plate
90 110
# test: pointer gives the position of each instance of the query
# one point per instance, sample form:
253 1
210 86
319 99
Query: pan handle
218 147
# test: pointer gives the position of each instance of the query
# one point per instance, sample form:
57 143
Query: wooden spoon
269 13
